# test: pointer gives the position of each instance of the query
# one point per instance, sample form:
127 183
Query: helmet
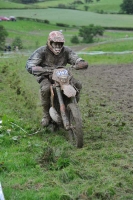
55 42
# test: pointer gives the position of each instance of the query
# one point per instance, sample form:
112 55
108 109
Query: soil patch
111 83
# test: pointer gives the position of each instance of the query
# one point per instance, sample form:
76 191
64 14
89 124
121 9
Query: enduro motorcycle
64 110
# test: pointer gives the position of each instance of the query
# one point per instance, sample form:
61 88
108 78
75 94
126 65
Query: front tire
75 132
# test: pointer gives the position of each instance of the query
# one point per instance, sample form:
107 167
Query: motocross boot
45 119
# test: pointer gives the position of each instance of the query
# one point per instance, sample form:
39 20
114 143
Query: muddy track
113 84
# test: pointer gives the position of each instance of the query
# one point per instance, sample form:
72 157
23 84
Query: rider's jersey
45 58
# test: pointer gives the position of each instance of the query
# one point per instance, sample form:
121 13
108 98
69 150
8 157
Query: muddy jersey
45 58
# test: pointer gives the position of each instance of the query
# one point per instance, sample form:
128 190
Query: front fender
68 90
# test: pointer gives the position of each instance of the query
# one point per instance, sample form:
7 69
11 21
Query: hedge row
119 28
35 20
42 21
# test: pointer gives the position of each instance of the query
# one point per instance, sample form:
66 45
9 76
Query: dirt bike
64 110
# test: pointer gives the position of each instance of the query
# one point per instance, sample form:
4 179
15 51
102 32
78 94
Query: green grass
33 34
116 51
112 35
103 5
114 46
44 165
108 59
72 17
10 5
106 6
111 40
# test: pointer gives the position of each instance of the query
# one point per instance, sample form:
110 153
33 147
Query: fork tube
52 96
62 108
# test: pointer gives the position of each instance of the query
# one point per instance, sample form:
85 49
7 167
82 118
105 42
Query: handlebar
40 70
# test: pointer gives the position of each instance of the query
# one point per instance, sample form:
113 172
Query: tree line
25 1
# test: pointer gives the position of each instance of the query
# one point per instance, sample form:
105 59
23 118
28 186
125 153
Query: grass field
72 17
103 5
10 5
40 31
38 164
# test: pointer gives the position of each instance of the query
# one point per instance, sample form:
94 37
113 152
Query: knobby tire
76 132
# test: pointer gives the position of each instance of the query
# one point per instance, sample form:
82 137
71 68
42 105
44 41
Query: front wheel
75 132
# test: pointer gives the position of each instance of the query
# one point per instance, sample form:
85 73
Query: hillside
96 6
72 17
38 164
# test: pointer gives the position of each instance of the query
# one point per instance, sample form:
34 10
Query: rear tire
76 132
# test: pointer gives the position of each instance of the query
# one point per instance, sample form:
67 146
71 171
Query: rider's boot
46 117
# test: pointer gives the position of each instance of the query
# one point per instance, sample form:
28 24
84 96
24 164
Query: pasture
38 164
35 34
72 17
103 5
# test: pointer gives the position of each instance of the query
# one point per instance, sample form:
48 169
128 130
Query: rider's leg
45 100
78 87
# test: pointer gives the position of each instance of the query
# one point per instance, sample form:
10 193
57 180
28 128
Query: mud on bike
64 110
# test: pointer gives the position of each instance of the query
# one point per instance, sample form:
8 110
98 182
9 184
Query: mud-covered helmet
55 42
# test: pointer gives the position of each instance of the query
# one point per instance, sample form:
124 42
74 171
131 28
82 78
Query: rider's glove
38 71
29 70
80 64
49 70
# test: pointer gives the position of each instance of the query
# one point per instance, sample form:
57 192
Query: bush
86 8
61 6
77 2
34 20
127 6
89 32
17 43
74 40
99 30
62 25
3 35
46 21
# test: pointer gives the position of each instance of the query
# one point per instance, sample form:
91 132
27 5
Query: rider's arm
73 59
35 59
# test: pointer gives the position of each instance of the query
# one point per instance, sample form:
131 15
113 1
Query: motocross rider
53 54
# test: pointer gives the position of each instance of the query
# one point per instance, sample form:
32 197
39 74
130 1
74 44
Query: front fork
62 109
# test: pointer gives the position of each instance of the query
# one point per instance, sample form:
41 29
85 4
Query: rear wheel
75 133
